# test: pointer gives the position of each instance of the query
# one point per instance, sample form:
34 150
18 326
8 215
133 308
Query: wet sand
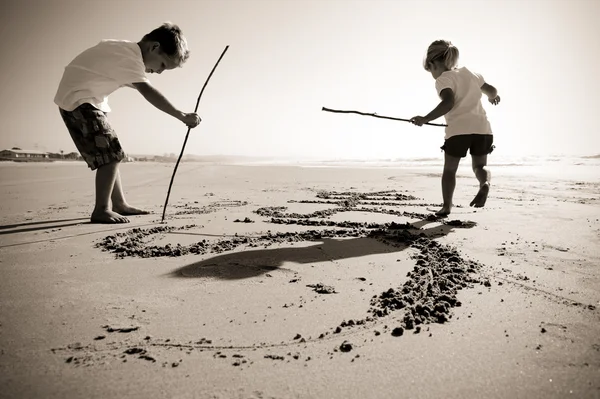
289 282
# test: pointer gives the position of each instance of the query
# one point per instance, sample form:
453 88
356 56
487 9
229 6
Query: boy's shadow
253 263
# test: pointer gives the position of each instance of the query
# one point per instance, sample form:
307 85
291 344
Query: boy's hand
191 120
494 100
418 120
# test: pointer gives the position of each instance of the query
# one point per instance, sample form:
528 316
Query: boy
83 104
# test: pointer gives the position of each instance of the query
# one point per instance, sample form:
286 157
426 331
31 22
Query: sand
290 282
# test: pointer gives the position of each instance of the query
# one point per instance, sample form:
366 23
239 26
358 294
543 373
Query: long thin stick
377 116
188 133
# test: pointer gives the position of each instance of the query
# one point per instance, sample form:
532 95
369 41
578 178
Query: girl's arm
447 103
491 93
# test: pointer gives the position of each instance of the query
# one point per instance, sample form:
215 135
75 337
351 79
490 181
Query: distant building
73 155
23 154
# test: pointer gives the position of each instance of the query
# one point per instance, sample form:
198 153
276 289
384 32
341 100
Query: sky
289 58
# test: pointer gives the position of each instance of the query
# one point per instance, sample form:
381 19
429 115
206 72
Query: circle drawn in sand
427 296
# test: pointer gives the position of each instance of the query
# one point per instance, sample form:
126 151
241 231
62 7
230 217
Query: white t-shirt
97 72
467 116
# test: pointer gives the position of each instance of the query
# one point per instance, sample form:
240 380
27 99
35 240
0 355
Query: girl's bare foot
127 209
106 216
481 197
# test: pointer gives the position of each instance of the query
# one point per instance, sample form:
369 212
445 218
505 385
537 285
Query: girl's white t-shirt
99 71
467 116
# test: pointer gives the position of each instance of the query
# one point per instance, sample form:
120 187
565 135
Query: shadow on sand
253 263
42 225
113 228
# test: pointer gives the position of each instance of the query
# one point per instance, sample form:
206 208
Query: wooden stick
188 133
376 116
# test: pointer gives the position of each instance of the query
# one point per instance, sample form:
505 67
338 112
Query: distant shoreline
27 160
38 160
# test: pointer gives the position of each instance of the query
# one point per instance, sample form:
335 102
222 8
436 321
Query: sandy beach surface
299 282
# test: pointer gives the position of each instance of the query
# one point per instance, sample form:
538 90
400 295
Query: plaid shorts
93 136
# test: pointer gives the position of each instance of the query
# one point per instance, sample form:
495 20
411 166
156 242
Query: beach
314 280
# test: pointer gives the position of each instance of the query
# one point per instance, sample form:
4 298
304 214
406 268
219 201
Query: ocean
584 168
567 167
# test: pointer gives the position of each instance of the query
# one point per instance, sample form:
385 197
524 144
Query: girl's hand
494 100
418 120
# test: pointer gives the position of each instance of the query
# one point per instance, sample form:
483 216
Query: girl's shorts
93 136
477 144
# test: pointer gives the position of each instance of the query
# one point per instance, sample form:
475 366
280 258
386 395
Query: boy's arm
491 93
155 98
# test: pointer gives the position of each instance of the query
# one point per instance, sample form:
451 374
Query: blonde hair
441 51
172 42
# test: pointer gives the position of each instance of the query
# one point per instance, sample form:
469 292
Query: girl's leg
448 183
484 176
105 181
119 203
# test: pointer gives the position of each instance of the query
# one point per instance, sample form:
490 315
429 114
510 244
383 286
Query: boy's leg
484 176
105 181
119 204
100 148
448 183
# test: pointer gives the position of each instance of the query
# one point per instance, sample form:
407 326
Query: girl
468 127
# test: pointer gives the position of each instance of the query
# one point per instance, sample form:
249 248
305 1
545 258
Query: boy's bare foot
481 197
442 213
129 210
445 211
106 216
